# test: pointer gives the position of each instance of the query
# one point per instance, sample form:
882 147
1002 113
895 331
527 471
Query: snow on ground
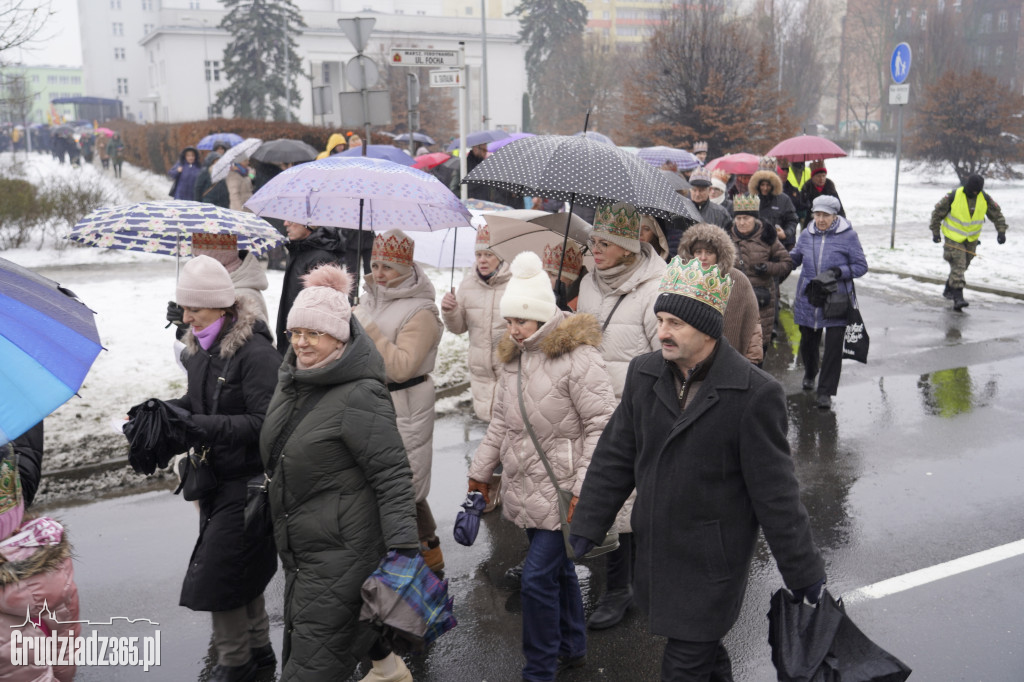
129 291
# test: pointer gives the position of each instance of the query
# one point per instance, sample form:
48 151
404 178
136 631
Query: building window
147 5
997 56
326 73
147 29
118 28
51 79
924 20
469 11
605 15
122 86
212 70
1004 21
115 4
985 25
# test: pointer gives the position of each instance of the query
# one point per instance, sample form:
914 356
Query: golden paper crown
709 286
573 259
214 242
766 163
721 175
700 147
746 203
483 239
619 220
393 246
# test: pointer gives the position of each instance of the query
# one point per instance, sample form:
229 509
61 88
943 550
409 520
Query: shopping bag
821 644
856 340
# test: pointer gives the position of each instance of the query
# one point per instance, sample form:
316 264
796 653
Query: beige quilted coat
568 399
478 313
405 326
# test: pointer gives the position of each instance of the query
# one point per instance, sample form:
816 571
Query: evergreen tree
543 26
260 63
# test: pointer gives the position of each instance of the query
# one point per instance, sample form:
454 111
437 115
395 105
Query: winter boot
947 292
958 300
824 402
611 609
390 669
264 657
514 575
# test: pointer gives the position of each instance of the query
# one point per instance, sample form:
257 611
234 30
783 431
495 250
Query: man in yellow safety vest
958 217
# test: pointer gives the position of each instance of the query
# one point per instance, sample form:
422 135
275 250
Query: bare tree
438 106
16 100
21 22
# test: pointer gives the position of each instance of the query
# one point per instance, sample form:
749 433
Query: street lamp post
207 67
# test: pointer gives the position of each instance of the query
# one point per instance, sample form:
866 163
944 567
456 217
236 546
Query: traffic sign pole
899 68
463 105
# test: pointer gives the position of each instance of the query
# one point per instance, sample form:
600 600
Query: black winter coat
323 245
340 495
216 193
810 192
777 211
712 213
227 569
706 479
29 447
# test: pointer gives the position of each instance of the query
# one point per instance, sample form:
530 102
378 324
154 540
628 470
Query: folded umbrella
156 431
467 522
818 289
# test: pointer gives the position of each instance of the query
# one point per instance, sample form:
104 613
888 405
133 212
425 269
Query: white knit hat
204 283
323 304
528 294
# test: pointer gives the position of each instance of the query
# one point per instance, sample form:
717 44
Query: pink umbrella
430 160
807 148
104 131
738 164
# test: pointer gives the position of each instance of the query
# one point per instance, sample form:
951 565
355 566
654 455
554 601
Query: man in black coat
700 194
210 192
701 434
307 248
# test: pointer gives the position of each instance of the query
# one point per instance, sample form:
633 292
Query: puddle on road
950 392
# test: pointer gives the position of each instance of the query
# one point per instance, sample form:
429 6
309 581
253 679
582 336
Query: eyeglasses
295 335
597 245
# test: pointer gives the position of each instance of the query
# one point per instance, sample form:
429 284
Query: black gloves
580 545
175 314
761 269
936 238
1001 238
811 593
835 270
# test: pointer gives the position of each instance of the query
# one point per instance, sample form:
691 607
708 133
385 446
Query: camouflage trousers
959 257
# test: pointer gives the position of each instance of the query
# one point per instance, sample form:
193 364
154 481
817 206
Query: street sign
899 65
361 72
415 57
899 94
446 78
377 113
358 31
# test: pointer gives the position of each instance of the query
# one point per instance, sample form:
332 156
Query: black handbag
763 296
195 470
611 539
258 521
837 305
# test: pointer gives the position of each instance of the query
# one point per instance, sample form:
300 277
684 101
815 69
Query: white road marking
932 573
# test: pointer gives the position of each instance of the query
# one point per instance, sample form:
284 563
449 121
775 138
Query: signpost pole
462 120
896 184
899 68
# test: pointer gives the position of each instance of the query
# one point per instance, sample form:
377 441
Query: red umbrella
807 148
430 160
738 164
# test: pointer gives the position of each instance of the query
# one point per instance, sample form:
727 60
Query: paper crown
214 242
700 177
700 147
766 163
691 280
720 175
817 167
746 203
483 239
393 246
573 260
619 220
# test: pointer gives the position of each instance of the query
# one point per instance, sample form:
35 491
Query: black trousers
695 662
831 361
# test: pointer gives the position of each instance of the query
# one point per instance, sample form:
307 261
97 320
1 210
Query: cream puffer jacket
569 400
633 328
478 311
405 326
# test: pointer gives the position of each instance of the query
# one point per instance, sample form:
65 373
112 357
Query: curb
935 280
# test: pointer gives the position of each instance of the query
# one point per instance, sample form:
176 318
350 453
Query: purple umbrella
479 137
498 144
381 151
467 522
656 156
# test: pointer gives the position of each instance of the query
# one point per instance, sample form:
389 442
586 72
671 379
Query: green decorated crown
618 219
746 203
693 281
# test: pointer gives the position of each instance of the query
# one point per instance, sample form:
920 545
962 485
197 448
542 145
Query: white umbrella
243 149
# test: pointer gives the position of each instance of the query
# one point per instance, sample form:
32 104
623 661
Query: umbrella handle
455 244
560 293
359 250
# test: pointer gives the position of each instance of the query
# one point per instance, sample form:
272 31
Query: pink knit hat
204 283
323 304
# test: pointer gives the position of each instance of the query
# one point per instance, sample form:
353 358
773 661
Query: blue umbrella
381 151
467 522
417 137
208 142
48 342
656 156
479 137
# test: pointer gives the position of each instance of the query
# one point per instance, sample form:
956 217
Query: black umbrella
284 151
156 431
417 137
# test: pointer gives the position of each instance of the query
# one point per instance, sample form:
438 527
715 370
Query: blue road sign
900 64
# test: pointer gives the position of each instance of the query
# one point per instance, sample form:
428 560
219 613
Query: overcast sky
59 43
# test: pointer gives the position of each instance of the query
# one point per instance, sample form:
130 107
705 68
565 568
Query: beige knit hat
323 304
204 283
528 294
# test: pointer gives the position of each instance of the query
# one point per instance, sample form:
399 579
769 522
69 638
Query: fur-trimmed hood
559 336
719 240
770 176
44 560
235 335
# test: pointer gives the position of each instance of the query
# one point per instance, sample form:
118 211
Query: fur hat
323 305
204 283
572 264
826 203
700 177
746 204
700 147
713 238
395 249
528 294
696 296
818 167
618 223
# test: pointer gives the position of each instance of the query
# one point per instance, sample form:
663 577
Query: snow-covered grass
129 291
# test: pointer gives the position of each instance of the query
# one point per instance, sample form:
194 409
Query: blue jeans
553 622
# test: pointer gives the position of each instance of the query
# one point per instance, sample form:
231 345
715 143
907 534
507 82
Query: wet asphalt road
919 464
